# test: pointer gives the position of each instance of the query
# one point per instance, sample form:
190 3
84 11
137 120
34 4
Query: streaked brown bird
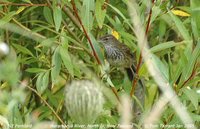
119 55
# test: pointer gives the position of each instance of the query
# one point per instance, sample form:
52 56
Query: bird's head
107 39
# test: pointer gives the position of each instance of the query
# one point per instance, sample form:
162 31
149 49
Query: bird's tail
131 72
139 92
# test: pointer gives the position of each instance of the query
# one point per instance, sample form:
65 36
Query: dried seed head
84 101
3 123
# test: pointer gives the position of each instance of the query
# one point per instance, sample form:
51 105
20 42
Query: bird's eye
106 38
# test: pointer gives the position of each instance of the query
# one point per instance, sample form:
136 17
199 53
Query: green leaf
48 42
57 16
42 82
48 15
151 98
56 64
191 62
45 112
45 81
180 26
7 18
16 113
100 13
97 48
39 82
162 29
163 46
86 14
162 68
193 96
9 71
35 70
155 13
195 117
22 49
122 15
177 73
195 19
66 58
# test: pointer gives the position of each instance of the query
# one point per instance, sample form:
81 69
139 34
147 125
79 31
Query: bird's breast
115 56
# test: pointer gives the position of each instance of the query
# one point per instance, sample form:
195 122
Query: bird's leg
135 78
134 73
112 69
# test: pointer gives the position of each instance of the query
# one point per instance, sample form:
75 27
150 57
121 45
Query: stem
86 34
115 92
71 16
18 4
140 57
89 40
191 76
47 104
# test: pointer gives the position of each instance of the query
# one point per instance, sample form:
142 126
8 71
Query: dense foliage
49 48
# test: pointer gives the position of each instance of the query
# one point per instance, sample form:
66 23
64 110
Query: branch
45 102
115 92
140 57
191 76
71 16
89 40
85 32
18 4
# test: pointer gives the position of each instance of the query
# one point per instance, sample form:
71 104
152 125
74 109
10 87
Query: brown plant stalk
85 32
140 57
45 102
90 43
21 4
191 76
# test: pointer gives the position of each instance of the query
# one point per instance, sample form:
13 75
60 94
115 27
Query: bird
119 55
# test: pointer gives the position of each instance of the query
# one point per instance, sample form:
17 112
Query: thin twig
46 103
115 92
19 4
71 16
191 76
163 83
85 32
77 39
89 40
140 57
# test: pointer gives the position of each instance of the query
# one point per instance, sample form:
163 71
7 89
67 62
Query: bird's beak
99 40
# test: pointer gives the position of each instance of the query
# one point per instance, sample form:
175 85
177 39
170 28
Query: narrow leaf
56 64
192 96
180 13
100 13
42 82
48 15
192 60
57 16
22 49
180 26
163 69
35 70
66 58
86 14
163 46
195 19
7 18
